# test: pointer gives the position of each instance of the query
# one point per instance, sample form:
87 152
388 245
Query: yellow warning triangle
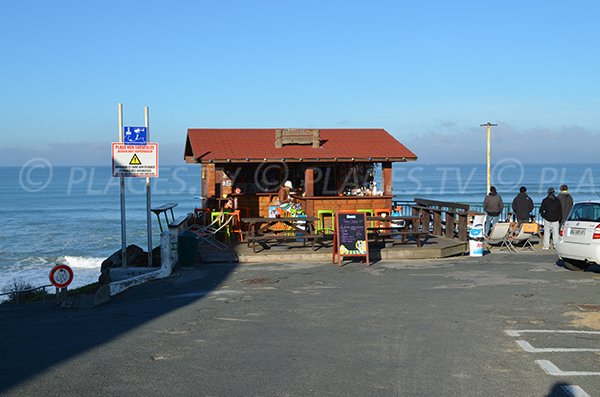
135 160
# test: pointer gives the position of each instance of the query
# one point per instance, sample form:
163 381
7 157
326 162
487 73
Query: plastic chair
499 235
236 224
321 214
382 212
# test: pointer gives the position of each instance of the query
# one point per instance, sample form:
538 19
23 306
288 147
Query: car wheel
575 265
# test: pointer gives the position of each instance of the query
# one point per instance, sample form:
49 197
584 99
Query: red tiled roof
235 145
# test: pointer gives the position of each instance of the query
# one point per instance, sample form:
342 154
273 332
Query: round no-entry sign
61 276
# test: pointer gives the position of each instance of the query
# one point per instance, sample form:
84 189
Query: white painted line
530 349
511 332
232 319
574 391
553 370
518 332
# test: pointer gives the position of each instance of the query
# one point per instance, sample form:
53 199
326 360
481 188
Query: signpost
61 276
350 238
133 156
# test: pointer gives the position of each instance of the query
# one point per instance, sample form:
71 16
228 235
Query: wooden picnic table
264 230
398 226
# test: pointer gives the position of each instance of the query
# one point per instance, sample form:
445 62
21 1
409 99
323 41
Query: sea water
71 215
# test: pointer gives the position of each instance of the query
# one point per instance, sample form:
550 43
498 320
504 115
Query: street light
489 129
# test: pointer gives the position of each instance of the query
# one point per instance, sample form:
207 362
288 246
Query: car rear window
585 212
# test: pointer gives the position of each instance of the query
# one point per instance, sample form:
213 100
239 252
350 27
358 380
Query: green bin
187 248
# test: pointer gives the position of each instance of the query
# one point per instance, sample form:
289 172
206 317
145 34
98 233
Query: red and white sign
138 161
61 276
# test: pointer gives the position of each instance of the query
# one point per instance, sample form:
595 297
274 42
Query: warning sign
138 161
135 160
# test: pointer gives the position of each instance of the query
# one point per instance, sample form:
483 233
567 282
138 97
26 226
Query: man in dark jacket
493 206
566 202
522 205
551 212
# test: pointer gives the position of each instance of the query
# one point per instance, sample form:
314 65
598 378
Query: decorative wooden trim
297 136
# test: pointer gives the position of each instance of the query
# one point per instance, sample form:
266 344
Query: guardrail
18 293
474 207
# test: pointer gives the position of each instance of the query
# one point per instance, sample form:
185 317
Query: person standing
566 202
493 206
551 212
522 206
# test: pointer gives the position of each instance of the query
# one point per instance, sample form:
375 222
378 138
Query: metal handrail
18 293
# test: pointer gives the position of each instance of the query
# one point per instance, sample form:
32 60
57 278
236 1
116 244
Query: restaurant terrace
330 169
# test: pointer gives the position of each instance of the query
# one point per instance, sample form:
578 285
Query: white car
580 242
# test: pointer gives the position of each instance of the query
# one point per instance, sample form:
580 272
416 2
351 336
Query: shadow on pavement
35 337
561 389
578 266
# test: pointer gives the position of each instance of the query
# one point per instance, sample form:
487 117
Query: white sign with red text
138 161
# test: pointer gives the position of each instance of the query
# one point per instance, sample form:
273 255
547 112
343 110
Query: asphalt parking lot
500 325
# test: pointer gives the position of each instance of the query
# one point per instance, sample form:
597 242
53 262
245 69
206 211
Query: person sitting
285 199
231 203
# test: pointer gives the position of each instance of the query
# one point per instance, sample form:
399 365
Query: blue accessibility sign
135 135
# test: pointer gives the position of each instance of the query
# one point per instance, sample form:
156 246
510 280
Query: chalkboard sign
350 237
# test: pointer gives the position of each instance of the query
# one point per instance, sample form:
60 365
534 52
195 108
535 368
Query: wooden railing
447 219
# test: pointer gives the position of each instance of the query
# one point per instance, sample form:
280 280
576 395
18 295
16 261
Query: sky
428 72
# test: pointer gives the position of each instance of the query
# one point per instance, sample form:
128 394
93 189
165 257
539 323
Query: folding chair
499 235
207 234
524 236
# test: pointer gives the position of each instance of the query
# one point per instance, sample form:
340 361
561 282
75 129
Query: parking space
571 355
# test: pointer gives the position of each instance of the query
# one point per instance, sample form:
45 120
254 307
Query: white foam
81 262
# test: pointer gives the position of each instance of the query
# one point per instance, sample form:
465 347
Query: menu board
350 237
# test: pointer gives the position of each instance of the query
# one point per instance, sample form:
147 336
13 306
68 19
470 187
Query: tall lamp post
489 130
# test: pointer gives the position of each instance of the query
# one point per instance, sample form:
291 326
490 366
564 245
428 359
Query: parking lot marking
530 349
574 391
518 332
553 370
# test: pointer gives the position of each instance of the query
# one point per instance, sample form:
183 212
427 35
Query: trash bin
187 248
476 240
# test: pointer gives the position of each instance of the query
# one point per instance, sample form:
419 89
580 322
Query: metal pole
489 153
122 190
148 193
489 158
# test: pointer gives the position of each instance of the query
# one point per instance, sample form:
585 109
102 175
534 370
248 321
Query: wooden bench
266 238
163 210
264 230
384 235
411 226
179 221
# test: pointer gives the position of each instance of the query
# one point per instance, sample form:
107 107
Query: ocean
71 215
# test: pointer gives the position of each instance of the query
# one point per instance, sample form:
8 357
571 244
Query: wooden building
332 168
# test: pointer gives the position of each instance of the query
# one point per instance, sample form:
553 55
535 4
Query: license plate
576 232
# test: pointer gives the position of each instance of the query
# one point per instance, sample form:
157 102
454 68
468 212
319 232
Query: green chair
321 214
214 215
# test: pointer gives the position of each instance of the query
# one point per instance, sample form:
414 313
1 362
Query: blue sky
428 72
